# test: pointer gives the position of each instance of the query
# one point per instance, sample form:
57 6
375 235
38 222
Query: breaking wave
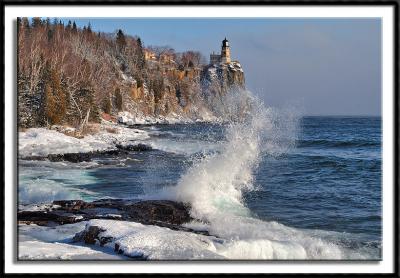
214 188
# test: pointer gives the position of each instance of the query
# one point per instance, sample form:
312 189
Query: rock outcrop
163 213
88 156
221 78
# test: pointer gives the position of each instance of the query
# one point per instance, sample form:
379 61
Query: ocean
292 188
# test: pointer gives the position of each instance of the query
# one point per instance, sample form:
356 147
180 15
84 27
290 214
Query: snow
155 243
135 240
42 141
55 243
139 119
38 207
37 250
250 240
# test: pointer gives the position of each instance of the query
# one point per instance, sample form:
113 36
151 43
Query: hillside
71 76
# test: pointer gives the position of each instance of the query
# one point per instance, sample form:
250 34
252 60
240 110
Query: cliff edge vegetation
71 76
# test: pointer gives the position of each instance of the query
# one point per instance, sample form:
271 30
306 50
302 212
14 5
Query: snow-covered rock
123 119
42 141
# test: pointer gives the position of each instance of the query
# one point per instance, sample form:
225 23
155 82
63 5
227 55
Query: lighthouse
224 57
225 52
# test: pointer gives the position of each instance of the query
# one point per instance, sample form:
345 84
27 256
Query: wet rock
72 205
117 249
135 148
108 152
43 218
86 157
34 157
91 235
154 212
164 211
70 157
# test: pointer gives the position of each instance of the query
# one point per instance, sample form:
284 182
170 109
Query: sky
323 66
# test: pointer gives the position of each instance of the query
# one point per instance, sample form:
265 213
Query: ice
156 243
42 141
130 119
55 243
253 239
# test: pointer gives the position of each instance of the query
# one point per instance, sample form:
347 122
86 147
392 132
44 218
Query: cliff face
219 79
221 86
191 94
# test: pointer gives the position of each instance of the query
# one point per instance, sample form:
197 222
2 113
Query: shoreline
104 137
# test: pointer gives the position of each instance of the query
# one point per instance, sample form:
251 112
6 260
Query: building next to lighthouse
224 57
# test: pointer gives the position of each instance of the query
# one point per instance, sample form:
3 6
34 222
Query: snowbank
55 243
154 243
42 141
271 241
172 118
130 119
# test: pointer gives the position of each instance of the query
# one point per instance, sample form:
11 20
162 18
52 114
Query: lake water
295 184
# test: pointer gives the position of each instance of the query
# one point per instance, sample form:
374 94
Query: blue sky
326 66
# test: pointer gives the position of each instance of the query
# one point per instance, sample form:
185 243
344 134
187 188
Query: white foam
185 147
215 184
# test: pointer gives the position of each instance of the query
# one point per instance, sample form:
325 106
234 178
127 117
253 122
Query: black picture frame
396 103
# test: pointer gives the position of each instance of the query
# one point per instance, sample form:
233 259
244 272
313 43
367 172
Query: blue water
330 180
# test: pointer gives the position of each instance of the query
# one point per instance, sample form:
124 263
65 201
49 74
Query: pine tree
25 23
121 42
50 34
106 105
141 58
74 27
118 99
55 98
36 22
48 23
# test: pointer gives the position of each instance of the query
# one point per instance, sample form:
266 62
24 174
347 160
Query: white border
387 16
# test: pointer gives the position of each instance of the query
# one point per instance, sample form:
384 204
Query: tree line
69 75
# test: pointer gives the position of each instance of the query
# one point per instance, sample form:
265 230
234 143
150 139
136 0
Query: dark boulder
156 212
44 218
73 205
153 211
34 157
70 157
91 235
135 148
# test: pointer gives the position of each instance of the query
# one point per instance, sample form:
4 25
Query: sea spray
215 184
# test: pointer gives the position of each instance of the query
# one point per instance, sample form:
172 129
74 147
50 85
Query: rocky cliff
189 94
71 76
